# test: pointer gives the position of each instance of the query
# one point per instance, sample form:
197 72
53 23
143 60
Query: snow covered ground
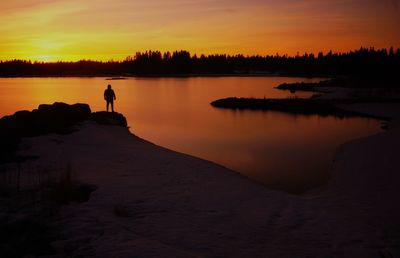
153 202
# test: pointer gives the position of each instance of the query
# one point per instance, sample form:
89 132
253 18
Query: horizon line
112 60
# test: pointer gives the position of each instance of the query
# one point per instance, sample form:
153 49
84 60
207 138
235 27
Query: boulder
109 118
55 118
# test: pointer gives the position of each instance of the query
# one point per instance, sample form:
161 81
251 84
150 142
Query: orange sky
48 30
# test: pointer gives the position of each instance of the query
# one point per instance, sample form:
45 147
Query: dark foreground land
31 199
56 118
99 191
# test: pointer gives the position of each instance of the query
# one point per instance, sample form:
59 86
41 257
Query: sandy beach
154 202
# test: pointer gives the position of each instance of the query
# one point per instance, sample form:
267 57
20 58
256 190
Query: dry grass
29 202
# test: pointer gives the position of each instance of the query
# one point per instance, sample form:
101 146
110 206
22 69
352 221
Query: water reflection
281 150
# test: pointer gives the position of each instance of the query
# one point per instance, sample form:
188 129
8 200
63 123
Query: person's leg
108 103
112 106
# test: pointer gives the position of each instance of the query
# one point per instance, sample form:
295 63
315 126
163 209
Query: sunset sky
48 30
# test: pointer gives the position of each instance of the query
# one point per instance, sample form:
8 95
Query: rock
59 117
109 118
55 118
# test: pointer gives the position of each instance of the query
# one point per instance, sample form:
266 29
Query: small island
304 86
293 106
333 97
386 81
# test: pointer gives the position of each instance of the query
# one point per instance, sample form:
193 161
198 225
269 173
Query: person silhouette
109 96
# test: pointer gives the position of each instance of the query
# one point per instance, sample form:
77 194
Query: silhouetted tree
369 62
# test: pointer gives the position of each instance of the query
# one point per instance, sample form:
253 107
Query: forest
362 62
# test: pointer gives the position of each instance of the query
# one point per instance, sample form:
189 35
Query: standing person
109 96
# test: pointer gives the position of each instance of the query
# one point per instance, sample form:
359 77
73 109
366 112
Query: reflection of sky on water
272 147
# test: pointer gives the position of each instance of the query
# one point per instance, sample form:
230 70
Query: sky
70 30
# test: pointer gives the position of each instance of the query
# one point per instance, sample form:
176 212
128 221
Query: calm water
290 152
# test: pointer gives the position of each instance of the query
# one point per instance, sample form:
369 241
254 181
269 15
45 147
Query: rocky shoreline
332 98
147 201
55 118
295 106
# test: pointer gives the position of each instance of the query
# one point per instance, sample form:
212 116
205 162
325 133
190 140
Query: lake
283 151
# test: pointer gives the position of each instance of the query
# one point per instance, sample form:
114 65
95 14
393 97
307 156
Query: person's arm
105 95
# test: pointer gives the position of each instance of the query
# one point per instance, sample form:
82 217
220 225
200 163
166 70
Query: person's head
109 86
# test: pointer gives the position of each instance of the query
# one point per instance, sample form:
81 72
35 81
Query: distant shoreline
332 98
361 62
319 107
169 76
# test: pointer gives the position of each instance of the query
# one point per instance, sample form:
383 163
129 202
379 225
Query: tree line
361 62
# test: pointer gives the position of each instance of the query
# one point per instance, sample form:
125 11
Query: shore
333 97
147 201
152 202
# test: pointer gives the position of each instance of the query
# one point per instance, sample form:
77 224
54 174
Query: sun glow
72 30
43 58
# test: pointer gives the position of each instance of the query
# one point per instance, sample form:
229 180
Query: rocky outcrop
46 119
55 118
109 118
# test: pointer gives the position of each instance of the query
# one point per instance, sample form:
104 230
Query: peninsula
143 200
